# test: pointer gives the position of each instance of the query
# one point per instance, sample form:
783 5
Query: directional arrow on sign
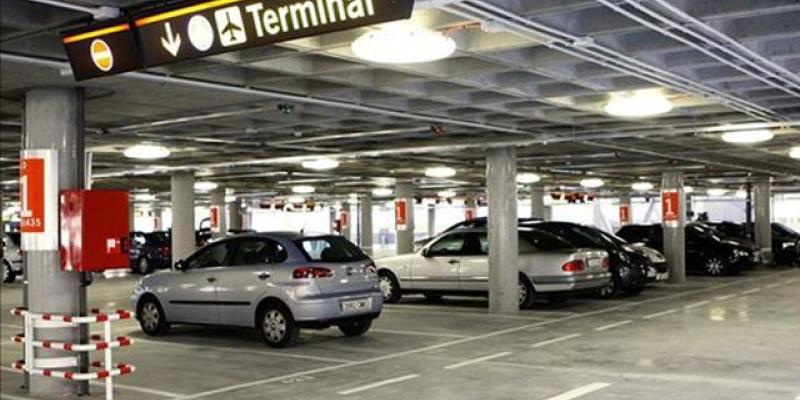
172 43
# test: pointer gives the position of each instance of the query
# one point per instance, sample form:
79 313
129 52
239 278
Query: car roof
285 235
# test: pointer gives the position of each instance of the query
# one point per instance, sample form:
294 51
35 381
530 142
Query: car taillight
606 263
574 266
312 273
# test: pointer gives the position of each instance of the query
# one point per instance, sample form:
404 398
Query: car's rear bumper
327 311
327 323
576 283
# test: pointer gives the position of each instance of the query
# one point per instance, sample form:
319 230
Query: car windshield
330 249
158 238
535 239
784 230
611 238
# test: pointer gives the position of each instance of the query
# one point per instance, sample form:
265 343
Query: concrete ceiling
534 74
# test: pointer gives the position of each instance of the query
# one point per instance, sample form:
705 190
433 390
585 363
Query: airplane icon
230 26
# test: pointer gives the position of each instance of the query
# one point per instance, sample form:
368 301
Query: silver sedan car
277 282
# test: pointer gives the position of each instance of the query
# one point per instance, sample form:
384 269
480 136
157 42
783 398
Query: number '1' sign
38 184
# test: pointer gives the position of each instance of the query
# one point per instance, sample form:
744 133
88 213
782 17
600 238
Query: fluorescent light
642 186
794 152
353 195
303 189
204 186
382 192
144 197
446 194
592 183
146 152
528 178
440 172
230 199
639 104
688 189
403 43
746 137
741 194
296 200
716 192
320 164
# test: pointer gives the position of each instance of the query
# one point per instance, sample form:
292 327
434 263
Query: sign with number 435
38 193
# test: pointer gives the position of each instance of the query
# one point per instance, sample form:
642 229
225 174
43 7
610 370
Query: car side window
258 251
212 256
448 246
475 244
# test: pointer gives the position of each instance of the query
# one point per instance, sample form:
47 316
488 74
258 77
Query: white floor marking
612 326
660 314
245 385
477 360
416 333
10 326
793 280
698 304
117 385
12 397
725 297
773 286
556 340
378 384
581 391
394 309
751 291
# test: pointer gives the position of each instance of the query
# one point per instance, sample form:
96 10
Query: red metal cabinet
94 230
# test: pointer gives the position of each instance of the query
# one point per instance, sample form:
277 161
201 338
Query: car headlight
740 253
786 245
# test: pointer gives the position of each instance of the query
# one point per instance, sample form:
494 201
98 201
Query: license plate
595 263
356 305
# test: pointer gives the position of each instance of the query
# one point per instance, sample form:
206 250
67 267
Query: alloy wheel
144 266
150 316
274 326
714 266
387 287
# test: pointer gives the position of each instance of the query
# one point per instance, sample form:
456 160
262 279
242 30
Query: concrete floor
724 338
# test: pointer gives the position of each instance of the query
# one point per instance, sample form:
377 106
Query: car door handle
211 279
264 275
453 261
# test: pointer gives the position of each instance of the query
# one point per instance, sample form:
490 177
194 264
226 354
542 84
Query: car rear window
330 249
537 240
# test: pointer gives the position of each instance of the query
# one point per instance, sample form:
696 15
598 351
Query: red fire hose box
94 230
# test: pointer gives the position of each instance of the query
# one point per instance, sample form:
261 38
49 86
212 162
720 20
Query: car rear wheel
143 266
715 267
151 317
526 293
356 328
608 291
277 326
389 287
8 273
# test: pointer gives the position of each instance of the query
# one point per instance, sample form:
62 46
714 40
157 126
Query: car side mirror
426 253
180 265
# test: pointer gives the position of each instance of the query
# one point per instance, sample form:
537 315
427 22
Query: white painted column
182 198
501 174
405 235
674 230
366 223
763 220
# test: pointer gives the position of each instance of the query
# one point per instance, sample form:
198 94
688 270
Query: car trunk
350 277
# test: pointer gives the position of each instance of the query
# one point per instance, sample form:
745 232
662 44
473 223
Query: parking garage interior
443 199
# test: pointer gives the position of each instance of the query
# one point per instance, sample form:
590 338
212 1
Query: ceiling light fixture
403 43
717 192
639 104
440 172
230 199
146 152
303 189
741 194
794 152
296 200
144 197
747 137
592 183
446 194
321 164
528 178
642 186
382 192
688 189
204 186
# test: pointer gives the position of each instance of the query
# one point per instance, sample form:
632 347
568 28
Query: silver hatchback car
277 282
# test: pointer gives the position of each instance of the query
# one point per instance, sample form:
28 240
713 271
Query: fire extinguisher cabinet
94 230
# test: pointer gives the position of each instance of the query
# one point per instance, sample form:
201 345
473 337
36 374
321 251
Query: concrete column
674 231
333 219
183 241
748 212
218 200
366 223
501 181
347 231
763 223
235 213
431 220
537 202
54 119
131 215
405 237
625 208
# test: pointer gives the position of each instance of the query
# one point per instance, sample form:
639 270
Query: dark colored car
753 250
150 251
706 252
785 243
629 267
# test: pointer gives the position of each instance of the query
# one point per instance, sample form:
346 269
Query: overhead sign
670 206
196 29
38 192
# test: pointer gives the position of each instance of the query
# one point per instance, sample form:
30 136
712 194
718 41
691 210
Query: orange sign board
32 194
214 218
670 206
470 213
401 214
624 214
344 219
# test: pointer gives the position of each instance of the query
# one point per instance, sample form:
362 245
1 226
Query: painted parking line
13 397
698 304
418 333
477 360
581 391
612 326
116 385
660 314
378 384
724 297
751 291
556 340
773 286
793 280
10 326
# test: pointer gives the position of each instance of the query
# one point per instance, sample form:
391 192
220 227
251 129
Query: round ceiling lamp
146 152
303 189
403 43
592 183
642 186
748 137
794 152
440 172
321 164
639 104
382 192
528 178
204 186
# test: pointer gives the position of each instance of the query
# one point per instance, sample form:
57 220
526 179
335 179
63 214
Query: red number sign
400 214
31 193
214 218
670 206
624 214
470 213
344 219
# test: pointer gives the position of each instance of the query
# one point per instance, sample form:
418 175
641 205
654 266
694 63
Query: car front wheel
389 287
526 293
143 266
356 328
278 327
151 317
714 266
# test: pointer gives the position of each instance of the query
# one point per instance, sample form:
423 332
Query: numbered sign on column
670 206
38 193
624 214
214 218
401 214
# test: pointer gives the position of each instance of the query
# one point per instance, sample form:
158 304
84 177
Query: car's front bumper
574 283
321 312
657 274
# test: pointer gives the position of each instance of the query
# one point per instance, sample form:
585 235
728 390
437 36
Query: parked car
753 250
12 256
628 266
457 262
785 244
479 222
150 251
705 251
276 282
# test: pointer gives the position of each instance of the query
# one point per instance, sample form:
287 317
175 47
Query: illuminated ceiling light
382 192
230 199
320 164
528 178
794 152
717 192
296 200
403 43
639 104
303 189
204 186
144 197
741 194
688 189
446 194
146 152
747 137
383 182
440 172
642 186
592 183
